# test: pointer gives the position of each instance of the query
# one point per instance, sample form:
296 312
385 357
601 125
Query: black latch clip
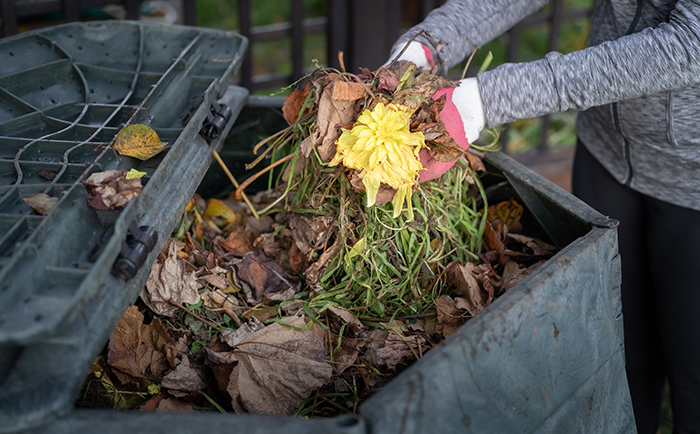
134 251
217 118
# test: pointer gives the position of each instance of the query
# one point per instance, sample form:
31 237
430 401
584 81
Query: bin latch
217 118
134 251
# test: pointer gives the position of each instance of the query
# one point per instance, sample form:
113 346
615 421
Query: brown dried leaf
48 175
174 405
331 114
236 242
111 190
234 338
475 162
277 368
42 203
536 246
310 232
292 105
297 260
396 349
448 317
183 380
313 273
137 349
347 318
387 80
265 277
474 285
348 90
168 281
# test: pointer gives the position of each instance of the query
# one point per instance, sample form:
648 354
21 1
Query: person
637 87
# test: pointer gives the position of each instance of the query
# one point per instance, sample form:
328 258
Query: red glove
463 116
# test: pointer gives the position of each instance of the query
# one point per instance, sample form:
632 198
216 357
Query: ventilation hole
165 45
41 87
79 47
11 53
70 35
53 101
110 81
26 300
109 96
38 318
92 90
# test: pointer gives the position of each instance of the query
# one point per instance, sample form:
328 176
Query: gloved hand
464 118
416 52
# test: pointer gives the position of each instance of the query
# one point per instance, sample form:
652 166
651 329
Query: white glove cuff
414 53
467 99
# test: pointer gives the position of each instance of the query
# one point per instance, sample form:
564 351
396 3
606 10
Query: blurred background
289 37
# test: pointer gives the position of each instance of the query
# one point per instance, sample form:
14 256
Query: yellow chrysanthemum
384 150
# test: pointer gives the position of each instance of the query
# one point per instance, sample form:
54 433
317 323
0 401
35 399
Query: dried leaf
448 317
313 273
508 212
395 349
348 90
466 284
310 232
137 350
236 242
138 141
277 368
111 190
41 202
331 115
293 103
234 338
387 80
347 318
48 175
183 380
168 281
217 208
265 277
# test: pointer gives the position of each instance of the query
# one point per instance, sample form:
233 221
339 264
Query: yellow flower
384 150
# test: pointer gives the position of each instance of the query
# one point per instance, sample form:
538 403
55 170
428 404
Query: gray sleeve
459 26
654 60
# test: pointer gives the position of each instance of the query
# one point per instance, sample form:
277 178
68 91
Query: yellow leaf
190 205
138 141
355 250
134 174
217 208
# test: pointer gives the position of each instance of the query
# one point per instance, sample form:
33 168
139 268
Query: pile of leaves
303 300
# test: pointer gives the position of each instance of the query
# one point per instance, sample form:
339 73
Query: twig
201 318
247 182
341 62
235 184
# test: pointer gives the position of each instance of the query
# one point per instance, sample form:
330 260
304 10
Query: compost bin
545 357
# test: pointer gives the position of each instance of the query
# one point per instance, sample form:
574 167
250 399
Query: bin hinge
134 251
217 118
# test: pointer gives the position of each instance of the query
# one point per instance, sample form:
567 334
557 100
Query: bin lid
65 93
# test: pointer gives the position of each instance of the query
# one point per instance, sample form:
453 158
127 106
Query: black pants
660 251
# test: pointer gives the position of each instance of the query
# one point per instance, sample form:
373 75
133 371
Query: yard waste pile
309 296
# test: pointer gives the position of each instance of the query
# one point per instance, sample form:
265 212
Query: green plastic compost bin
545 357
66 277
